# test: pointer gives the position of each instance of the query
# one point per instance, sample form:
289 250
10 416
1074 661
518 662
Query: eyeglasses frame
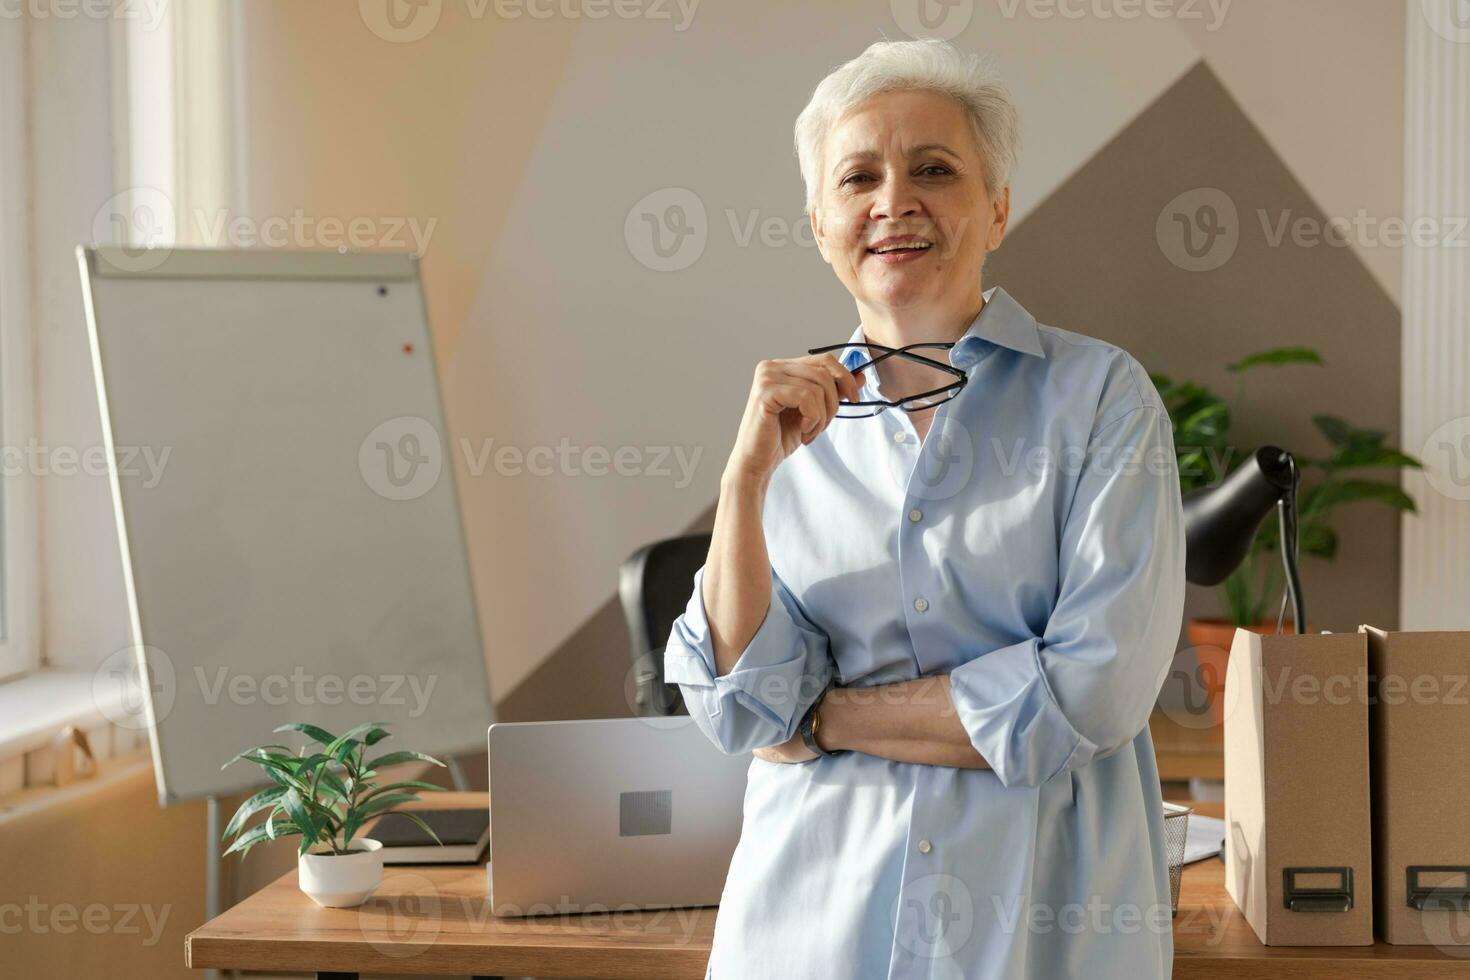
906 352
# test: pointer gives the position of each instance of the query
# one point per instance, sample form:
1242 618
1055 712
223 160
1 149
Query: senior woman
940 628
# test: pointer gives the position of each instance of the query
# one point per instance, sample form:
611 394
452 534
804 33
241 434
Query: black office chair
655 585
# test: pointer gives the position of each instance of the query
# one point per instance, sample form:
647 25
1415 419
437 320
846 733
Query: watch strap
808 724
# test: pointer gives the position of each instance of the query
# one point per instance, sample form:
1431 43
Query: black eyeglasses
913 403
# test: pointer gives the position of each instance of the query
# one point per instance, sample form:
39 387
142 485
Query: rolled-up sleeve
1086 688
761 700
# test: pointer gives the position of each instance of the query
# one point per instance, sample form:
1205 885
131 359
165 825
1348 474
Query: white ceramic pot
341 881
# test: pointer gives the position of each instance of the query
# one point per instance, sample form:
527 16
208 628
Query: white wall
1436 337
72 174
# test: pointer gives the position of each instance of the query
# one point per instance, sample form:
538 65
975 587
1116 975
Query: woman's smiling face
905 167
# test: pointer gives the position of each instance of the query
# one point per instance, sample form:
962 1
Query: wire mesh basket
1176 830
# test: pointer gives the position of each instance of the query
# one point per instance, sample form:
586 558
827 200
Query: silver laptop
592 816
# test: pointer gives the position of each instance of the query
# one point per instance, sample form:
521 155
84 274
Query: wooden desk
1187 752
434 920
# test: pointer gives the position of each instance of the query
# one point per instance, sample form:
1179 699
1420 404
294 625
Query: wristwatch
809 725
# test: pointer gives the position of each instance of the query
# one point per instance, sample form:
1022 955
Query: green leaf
251 807
310 731
300 815
1210 419
1332 494
383 803
405 755
1340 432
1279 355
270 820
336 744
375 736
256 754
407 784
256 835
1366 454
1319 540
279 777
364 812
409 814
334 783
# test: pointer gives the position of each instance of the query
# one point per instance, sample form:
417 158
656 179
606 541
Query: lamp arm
1286 513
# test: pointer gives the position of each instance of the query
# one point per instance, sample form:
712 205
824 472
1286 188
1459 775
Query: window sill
35 709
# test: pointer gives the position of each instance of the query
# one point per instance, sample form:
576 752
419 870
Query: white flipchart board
297 554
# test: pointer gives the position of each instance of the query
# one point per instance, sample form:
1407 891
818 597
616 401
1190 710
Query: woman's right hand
792 401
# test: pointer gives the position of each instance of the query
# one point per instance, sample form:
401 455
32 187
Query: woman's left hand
791 750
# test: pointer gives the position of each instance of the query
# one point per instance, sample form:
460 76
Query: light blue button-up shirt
1032 548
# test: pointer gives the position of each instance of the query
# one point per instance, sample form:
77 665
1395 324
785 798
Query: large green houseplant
1202 421
324 794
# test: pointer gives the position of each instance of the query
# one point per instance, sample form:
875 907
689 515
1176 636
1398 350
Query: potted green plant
1201 422
324 794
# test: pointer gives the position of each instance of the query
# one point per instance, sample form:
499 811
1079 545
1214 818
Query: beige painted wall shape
529 142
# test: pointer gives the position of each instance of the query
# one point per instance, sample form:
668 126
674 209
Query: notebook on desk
463 833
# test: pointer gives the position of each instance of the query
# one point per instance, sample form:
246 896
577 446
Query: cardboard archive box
1419 733
1297 810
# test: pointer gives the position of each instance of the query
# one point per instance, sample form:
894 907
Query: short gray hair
930 65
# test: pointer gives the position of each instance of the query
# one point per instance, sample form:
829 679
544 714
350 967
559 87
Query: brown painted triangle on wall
1090 259
588 676
1093 258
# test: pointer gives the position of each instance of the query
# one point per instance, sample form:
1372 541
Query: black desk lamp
1220 522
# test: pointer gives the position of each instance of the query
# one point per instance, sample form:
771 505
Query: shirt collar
1002 321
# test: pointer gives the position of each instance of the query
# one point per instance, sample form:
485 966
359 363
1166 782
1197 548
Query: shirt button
921 603
916 515
924 845
899 437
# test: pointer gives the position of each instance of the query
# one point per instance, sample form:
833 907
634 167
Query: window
19 567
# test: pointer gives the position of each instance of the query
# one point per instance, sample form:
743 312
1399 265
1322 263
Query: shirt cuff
762 698
1007 707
